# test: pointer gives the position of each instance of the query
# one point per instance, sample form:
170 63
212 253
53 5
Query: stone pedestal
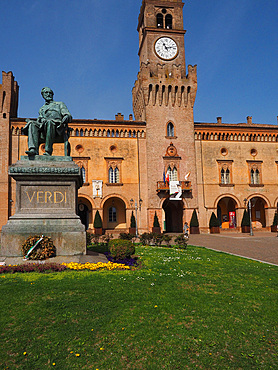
46 204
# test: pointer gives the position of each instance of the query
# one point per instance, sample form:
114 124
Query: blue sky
87 52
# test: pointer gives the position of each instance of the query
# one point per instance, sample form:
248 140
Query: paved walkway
263 246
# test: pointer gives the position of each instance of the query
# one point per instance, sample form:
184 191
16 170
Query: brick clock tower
163 97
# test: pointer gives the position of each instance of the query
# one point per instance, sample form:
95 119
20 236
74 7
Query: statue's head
47 93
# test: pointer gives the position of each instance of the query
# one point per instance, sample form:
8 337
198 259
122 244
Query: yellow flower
155 306
92 329
77 354
101 349
25 353
53 364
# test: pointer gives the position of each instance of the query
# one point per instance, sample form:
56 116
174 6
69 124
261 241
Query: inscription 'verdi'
43 197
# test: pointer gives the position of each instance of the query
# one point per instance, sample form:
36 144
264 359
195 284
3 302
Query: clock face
166 48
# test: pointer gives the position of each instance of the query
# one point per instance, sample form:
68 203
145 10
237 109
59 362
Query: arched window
225 176
112 214
114 175
170 129
168 22
81 132
108 133
83 172
172 173
159 20
255 176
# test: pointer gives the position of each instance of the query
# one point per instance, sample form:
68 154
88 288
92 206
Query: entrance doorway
173 215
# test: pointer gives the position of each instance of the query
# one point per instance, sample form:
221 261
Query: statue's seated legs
33 137
50 133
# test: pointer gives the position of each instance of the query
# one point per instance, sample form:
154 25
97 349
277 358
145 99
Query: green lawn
184 309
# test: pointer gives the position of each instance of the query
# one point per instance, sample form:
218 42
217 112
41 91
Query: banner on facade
175 190
97 188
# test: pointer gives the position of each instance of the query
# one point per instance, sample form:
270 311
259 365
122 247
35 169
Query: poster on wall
97 188
175 190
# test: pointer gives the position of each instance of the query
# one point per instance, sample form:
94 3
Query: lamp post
250 214
136 207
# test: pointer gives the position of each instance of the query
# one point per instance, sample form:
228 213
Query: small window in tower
159 20
170 130
168 22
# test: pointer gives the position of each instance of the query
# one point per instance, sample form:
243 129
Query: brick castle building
126 163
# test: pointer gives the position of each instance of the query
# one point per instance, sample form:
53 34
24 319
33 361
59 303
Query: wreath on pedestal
44 249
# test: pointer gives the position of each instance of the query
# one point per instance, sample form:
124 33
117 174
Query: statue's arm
66 116
41 118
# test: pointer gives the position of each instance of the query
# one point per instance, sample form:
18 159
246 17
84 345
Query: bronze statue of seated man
52 124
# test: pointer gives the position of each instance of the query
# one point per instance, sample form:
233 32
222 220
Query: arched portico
258 211
114 214
226 212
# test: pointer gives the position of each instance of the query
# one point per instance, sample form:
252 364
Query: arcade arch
84 211
226 212
114 213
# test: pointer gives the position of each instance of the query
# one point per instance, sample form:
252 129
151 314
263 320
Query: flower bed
96 266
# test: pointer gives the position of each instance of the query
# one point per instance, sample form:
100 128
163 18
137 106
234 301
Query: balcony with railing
165 186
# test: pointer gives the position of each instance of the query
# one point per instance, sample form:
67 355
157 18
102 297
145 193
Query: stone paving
263 246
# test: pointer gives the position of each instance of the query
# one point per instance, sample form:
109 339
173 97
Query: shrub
275 220
107 238
245 219
88 238
167 239
132 221
121 249
194 219
127 236
97 221
155 221
181 242
157 239
213 222
145 238
95 239
45 248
